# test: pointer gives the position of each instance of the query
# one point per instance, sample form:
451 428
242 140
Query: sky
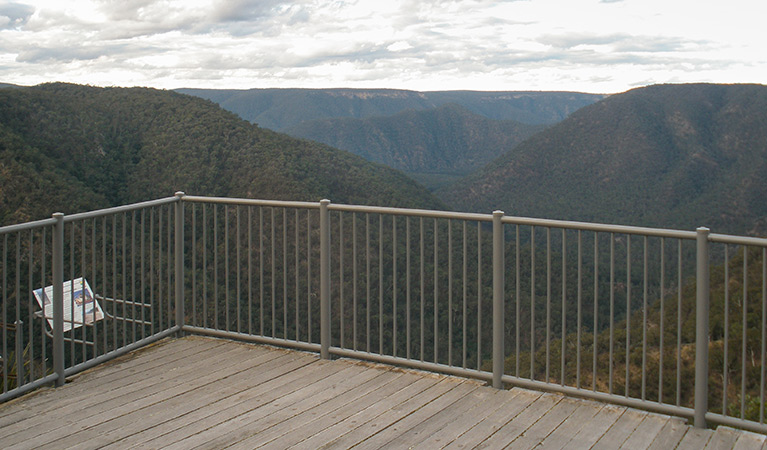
596 46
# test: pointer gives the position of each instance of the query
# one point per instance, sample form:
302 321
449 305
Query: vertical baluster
479 295
596 314
367 282
341 276
297 277
422 256
662 316
465 279
450 292
394 283
744 335
628 312
436 295
548 303
563 349
612 309
518 299
238 278
580 315
355 276
679 326
644 320
532 303
407 287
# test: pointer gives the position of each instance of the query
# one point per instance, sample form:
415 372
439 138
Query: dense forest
431 146
673 156
72 148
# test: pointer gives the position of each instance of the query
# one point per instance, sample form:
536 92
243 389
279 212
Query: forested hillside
279 109
669 155
70 148
430 145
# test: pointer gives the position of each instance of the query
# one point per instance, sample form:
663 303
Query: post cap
179 194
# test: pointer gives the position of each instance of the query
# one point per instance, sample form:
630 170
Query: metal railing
664 320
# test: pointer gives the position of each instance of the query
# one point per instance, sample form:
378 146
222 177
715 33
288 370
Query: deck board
198 392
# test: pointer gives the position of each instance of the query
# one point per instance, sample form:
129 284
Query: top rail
251 202
412 212
119 209
737 240
27 226
599 227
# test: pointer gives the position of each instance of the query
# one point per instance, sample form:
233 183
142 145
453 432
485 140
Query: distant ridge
430 145
279 109
676 156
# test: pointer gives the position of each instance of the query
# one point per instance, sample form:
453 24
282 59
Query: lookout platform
199 392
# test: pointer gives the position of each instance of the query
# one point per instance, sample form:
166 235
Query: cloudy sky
603 46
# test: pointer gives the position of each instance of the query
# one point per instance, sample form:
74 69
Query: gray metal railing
662 320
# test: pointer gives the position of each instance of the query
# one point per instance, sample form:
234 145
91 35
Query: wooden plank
644 435
185 399
309 429
621 430
724 438
262 386
411 386
574 423
305 415
451 415
748 440
546 425
115 371
79 416
396 412
498 399
236 420
595 428
404 424
265 429
251 395
67 417
518 400
522 422
670 435
695 438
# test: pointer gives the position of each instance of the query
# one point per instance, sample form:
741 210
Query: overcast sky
600 46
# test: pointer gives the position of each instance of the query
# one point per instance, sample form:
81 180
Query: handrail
312 265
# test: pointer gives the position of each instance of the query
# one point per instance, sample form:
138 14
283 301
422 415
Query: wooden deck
200 392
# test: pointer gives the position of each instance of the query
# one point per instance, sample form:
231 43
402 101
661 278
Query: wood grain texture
198 392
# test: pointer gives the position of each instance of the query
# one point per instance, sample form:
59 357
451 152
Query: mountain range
433 146
71 148
280 109
677 156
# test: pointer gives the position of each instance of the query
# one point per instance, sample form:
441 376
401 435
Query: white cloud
587 45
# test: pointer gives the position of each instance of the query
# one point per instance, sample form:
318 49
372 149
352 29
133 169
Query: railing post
58 297
324 279
498 294
179 259
701 328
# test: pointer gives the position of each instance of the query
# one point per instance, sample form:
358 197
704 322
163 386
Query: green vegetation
75 148
676 156
448 139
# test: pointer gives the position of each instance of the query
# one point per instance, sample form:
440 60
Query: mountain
279 109
72 148
430 145
677 156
